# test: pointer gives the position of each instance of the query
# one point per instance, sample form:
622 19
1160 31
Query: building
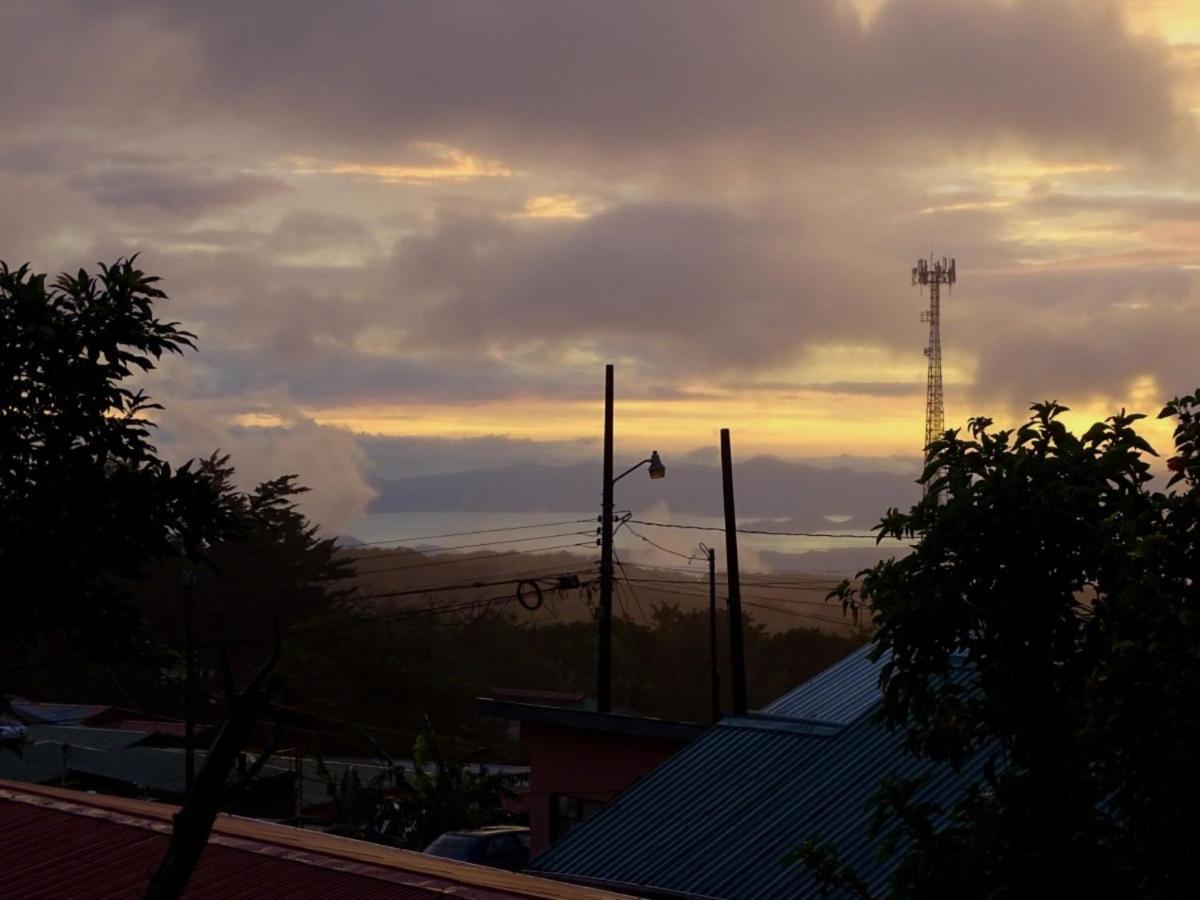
718 818
579 759
62 843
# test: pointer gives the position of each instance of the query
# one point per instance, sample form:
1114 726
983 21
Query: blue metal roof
54 713
717 819
842 693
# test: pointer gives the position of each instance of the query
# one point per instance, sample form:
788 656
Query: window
567 813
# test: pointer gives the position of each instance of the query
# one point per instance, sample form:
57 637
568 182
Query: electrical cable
633 593
430 537
642 537
820 534
460 560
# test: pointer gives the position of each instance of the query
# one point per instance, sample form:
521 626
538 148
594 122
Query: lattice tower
934 273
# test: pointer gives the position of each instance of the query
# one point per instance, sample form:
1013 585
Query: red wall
594 765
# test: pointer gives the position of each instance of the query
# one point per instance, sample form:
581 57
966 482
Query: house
579 760
63 843
129 764
159 731
717 819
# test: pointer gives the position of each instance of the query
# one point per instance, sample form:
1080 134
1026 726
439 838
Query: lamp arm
630 469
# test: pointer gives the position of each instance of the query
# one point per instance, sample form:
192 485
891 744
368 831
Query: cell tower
934 273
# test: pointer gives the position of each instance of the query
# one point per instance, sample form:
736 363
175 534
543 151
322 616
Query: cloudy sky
409 235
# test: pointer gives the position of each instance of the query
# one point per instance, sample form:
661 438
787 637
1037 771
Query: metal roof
55 713
60 843
96 738
718 818
147 768
587 720
33 763
842 693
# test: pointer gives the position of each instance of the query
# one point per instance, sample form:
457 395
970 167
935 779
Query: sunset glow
435 240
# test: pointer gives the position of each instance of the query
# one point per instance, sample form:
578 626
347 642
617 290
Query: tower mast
934 273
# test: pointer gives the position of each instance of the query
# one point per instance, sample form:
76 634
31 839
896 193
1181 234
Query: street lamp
657 470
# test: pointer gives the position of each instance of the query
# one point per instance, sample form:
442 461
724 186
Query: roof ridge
229 828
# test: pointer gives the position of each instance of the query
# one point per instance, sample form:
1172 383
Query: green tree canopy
1068 589
85 501
95 528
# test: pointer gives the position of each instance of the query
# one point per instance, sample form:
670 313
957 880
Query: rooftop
61 843
718 818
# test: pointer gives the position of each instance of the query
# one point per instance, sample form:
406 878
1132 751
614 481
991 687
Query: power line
642 537
430 537
704 595
820 534
777 586
401 616
521 578
460 561
629 584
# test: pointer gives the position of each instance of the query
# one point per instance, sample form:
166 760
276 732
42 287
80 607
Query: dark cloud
1085 337
1144 207
174 191
635 80
679 287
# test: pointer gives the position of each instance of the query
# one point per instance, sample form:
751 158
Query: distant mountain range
805 496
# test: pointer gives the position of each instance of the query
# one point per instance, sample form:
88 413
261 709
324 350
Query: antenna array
934 273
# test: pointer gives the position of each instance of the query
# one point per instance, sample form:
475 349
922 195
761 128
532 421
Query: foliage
1049 572
412 806
85 502
276 573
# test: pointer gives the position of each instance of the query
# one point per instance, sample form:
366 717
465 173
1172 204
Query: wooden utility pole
737 658
714 668
604 613
189 678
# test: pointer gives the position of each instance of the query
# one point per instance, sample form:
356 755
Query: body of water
542 531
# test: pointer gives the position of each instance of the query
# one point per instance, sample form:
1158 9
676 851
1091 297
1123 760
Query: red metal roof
58 843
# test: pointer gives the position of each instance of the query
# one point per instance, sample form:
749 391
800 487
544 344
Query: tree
412 807
1047 618
85 502
274 572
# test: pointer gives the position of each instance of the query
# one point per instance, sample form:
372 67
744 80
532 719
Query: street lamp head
657 469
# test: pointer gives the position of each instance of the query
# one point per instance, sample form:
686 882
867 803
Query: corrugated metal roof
96 738
33 763
65 844
842 693
717 819
55 713
147 768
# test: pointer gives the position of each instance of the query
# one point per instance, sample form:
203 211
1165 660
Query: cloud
328 460
634 78
434 162
174 191
430 207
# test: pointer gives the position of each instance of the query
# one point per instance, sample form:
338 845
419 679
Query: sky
410 235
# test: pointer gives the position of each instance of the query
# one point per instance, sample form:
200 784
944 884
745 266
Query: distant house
579 759
160 731
62 843
717 819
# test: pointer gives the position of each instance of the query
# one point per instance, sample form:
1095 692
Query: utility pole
737 658
713 664
189 678
934 273
604 663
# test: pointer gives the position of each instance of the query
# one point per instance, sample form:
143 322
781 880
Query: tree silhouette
85 501
1048 618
